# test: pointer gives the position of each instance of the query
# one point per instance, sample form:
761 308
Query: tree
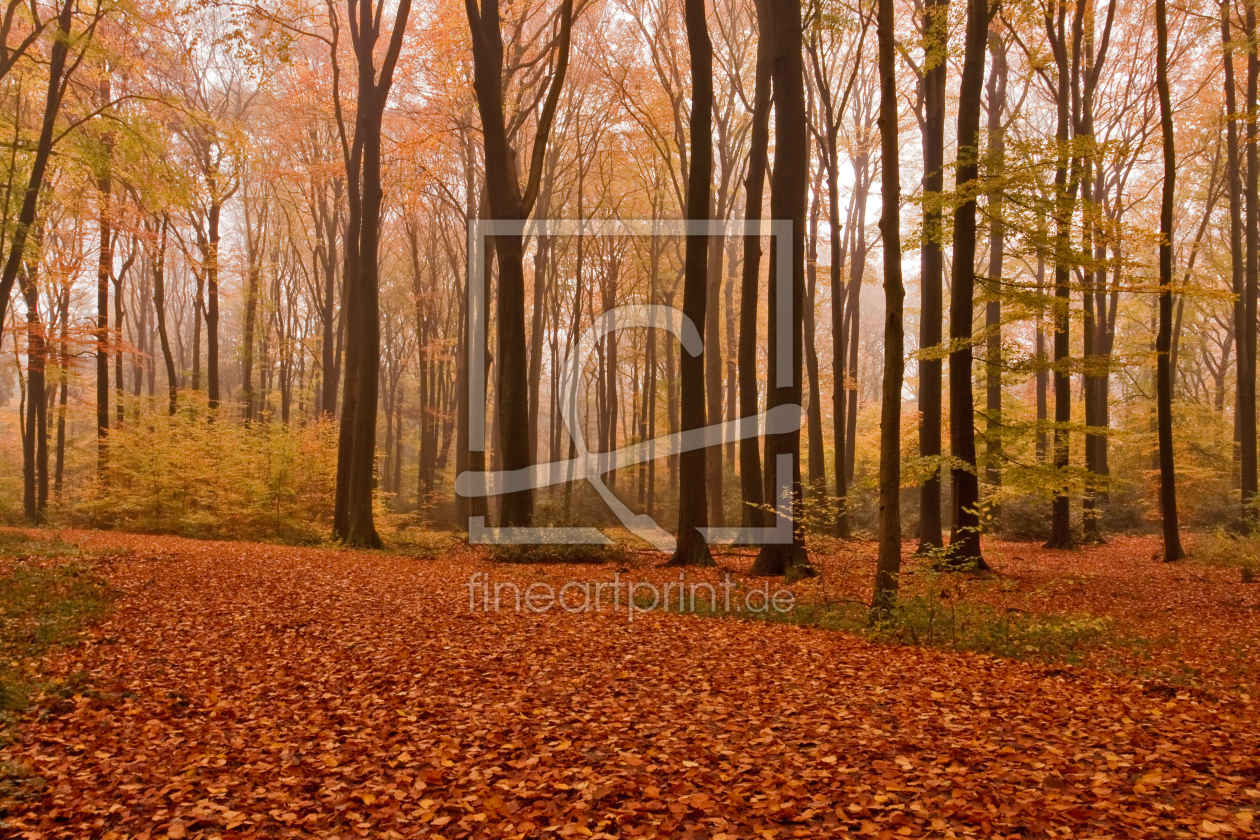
1246 408
1236 263
750 475
789 184
932 271
997 245
888 566
692 550
1066 181
964 539
826 126
509 202
1163 342
362 151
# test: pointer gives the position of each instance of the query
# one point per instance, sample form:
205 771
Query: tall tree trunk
1167 472
964 539
888 567
1247 335
789 187
1065 186
104 274
357 443
541 254
35 432
713 364
1236 261
508 202
817 459
252 272
997 246
853 309
750 276
1041 379
932 259
210 254
693 513
63 377
159 313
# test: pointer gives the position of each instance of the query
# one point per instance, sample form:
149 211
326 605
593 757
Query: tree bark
789 187
997 246
1065 186
1247 335
888 566
508 202
1236 261
754 515
1167 472
357 442
932 268
964 538
693 513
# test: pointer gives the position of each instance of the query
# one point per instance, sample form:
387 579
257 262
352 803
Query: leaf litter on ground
249 690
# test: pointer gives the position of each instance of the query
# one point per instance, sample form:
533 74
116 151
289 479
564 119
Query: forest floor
251 690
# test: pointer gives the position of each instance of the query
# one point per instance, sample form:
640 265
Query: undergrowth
938 615
1225 550
574 554
48 593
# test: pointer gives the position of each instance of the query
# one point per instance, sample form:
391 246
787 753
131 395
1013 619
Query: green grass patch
15 545
932 616
573 554
44 601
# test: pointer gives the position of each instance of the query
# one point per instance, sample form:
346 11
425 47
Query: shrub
203 475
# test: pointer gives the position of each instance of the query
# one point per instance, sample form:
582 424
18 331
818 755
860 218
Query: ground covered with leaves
249 690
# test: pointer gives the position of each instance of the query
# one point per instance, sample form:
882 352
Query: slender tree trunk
104 274
817 459
1041 379
35 433
211 257
997 246
888 567
932 259
1236 261
853 310
693 511
159 314
964 540
1247 335
1167 472
1065 186
63 376
789 187
252 272
713 365
749 455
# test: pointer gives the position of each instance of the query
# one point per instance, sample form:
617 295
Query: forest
263 217
327 326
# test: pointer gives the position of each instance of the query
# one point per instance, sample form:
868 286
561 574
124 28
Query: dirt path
245 690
